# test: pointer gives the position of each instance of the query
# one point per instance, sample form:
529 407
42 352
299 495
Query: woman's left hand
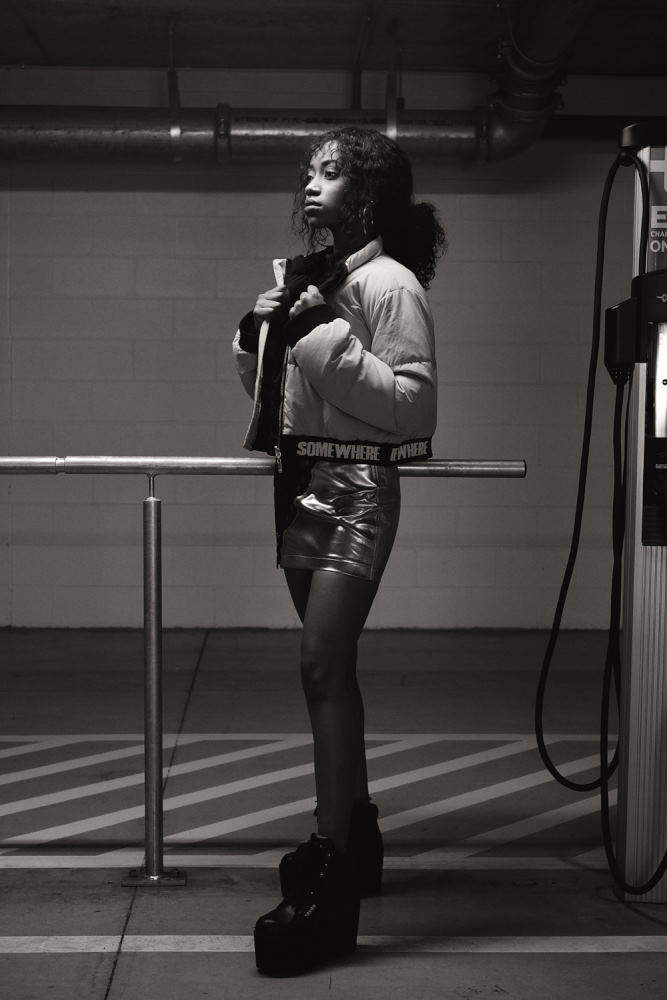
311 297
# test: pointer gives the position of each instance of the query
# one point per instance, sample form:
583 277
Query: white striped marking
33 744
62 766
398 944
236 823
487 794
511 832
518 743
134 857
286 809
90 760
130 780
84 826
175 802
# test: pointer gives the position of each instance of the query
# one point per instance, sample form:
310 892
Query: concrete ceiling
624 37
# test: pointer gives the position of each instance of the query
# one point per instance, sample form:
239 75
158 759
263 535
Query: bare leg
336 608
298 582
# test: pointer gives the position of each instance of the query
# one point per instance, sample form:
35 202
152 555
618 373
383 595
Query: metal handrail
153 872
153 466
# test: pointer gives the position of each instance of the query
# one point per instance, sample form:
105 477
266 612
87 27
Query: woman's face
325 190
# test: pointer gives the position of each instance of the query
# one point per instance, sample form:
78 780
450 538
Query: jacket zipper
276 449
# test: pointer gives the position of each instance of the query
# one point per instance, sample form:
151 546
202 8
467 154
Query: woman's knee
327 666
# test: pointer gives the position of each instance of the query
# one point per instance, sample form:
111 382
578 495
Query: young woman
339 358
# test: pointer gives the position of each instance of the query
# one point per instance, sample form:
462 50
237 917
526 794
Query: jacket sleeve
392 386
245 347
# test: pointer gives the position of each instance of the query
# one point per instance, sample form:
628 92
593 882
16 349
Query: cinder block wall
119 294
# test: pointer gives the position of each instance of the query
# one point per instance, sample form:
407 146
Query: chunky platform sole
299 949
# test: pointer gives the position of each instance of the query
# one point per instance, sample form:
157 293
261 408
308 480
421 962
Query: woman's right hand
268 302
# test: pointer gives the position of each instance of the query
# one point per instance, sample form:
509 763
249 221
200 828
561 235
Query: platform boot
318 919
365 851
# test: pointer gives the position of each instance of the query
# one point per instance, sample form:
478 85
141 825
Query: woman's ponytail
414 237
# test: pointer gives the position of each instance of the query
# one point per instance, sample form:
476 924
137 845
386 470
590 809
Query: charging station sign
657 236
658 229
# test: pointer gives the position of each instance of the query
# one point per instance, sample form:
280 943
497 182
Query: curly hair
381 194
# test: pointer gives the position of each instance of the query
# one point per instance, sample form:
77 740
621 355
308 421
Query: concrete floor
495 884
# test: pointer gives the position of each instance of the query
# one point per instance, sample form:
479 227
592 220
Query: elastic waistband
372 452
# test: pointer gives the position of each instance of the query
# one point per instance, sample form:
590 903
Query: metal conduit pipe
96 134
532 64
64 134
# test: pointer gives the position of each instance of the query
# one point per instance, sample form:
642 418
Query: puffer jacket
359 382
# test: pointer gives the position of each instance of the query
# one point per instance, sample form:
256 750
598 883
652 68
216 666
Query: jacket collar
369 252
355 260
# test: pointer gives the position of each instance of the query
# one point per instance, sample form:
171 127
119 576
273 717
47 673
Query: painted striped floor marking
285 810
502 835
234 824
387 944
466 799
128 781
512 744
62 766
80 827
90 760
33 744
451 766
134 858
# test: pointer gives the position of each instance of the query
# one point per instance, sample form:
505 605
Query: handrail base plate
171 878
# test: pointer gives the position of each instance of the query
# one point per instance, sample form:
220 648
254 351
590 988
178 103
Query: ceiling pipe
533 61
532 66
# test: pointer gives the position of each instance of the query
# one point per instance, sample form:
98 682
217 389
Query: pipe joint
522 106
222 133
505 136
527 86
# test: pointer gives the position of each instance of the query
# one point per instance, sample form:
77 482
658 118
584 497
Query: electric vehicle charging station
642 791
636 658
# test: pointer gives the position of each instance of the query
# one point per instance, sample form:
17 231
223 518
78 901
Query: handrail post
153 872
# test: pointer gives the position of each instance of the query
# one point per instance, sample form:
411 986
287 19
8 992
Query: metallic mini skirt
345 521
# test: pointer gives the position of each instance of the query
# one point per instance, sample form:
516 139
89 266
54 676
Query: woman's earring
368 220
